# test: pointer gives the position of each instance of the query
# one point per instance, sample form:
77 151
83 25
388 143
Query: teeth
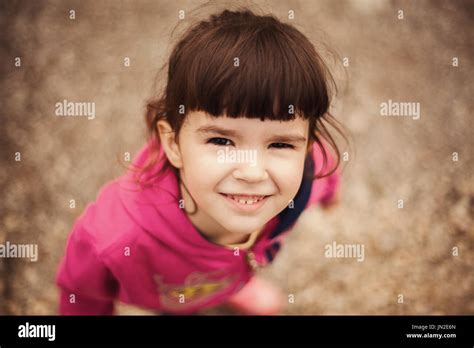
247 200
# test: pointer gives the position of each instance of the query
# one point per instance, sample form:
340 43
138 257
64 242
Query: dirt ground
418 259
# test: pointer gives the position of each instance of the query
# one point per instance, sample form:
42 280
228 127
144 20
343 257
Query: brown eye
219 141
282 146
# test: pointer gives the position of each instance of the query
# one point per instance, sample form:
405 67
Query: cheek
201 168
288 177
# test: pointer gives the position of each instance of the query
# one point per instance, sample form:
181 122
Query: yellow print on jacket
197 289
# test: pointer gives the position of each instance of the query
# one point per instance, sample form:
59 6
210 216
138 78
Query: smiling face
240 172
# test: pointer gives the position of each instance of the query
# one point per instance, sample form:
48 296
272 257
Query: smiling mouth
245 199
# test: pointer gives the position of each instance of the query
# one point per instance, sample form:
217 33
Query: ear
309 146
171 148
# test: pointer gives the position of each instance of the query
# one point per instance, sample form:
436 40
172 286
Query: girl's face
241 172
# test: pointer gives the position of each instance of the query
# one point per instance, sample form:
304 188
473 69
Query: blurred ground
407 251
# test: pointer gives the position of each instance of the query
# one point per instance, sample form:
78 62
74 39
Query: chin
241 228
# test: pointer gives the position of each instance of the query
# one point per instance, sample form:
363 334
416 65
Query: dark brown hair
279 76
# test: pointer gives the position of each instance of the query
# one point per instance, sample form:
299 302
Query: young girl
237 150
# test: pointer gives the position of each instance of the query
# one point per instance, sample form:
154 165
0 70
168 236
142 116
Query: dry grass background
407 251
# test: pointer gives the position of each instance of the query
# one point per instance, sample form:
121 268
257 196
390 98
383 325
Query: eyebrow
291 138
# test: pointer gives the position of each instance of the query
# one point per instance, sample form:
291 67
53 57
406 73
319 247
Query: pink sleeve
324 189
87 287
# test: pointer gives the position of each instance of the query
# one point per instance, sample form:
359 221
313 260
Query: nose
251 173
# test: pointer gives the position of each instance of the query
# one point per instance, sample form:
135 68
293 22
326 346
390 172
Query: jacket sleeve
87 286
325 189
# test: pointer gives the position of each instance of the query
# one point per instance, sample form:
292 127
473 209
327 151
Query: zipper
251 261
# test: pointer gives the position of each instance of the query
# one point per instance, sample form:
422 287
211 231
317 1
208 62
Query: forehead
201 120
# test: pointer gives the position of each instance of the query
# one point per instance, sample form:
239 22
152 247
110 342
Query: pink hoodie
137 246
